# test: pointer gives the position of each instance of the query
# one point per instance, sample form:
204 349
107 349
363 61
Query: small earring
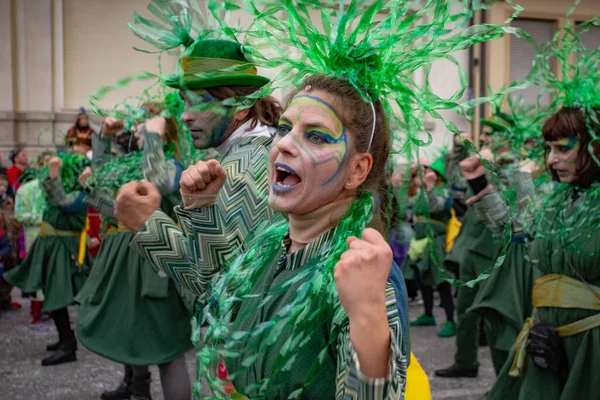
349 183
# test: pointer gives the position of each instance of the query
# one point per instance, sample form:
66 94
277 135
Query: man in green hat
222 201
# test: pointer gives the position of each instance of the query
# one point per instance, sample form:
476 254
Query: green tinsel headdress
576 81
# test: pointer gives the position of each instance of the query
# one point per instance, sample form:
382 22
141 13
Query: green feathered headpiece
576 81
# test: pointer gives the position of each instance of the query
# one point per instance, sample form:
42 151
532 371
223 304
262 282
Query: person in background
432 210
30 205
5 256
4 186
79 137
18 157
12 229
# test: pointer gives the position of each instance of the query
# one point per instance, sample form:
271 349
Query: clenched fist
361 274
135 203
54 166
472 167
361 278
201 183
111 125
84 176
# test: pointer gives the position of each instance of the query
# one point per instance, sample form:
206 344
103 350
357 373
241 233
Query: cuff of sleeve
357 379
474 199
53 188
478 184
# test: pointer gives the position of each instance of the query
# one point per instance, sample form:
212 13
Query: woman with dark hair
562 337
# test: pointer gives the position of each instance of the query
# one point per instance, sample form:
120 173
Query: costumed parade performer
123 299
57 264
557 355
504 299
436 202
307 335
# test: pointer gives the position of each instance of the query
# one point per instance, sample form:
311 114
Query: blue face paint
321 144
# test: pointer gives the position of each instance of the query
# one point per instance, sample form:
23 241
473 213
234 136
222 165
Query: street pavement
23 345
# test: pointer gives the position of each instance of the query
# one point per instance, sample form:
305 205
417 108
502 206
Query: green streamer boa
110 175
550 223
315 303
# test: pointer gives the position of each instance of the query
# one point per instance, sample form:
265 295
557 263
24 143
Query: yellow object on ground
417 383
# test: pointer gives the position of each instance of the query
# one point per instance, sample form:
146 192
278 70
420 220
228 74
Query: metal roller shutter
522 54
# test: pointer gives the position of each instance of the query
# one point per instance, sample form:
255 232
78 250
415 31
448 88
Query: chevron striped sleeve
165 174
352 384
103 202
68 202
212 234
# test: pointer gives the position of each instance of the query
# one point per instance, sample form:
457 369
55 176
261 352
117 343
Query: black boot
66 352
457 372
141 387
125 389
55 346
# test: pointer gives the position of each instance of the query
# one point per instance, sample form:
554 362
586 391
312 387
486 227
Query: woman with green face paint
323 162
557 353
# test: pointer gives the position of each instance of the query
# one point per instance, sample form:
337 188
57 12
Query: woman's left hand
361 274
361 278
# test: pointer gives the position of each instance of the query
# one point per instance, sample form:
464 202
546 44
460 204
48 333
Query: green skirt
128 313
504 299
49 267
581 367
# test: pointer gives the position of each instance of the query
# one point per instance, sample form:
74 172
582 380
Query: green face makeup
322 145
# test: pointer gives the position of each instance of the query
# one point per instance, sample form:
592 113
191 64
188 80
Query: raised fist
84 176
135 203
201 183
472 167
361 275
54 166
429 180
111 125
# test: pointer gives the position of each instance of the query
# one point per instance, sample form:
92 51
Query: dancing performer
30 205
557 355
124 299
301 325
432 211
56 263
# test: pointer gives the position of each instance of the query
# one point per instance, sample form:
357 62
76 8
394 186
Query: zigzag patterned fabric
351 384
209 236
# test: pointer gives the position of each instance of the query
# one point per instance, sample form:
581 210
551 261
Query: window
522 54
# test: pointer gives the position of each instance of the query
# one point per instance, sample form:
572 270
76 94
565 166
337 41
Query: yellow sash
558 291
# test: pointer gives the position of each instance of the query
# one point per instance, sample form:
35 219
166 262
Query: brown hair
357 116
266 110
171 127
569 122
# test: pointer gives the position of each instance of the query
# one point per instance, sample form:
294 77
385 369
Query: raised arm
55 191
210 234
163 173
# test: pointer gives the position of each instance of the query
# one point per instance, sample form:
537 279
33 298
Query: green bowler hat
213 56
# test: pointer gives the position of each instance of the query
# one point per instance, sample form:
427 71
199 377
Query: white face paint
308 155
